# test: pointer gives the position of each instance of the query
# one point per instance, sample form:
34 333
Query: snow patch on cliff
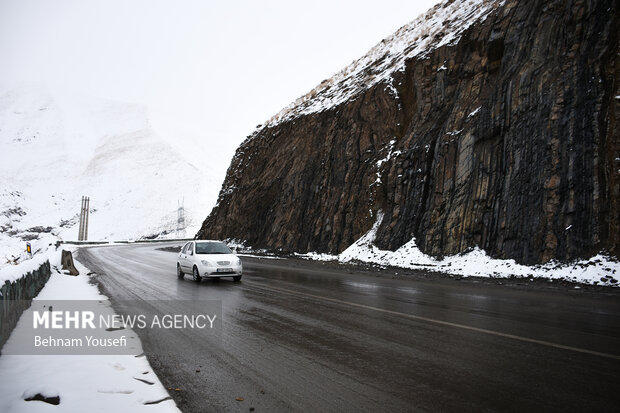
390 154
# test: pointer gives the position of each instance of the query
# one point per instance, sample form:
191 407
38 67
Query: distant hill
57 147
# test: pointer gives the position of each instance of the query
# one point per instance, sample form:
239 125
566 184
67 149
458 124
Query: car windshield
212 248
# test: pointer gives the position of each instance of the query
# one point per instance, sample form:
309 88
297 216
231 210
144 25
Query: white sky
217 68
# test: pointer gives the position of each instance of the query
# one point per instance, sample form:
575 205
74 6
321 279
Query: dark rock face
505 140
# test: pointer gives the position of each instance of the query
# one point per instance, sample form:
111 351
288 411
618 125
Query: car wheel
196 276
179 271
237 278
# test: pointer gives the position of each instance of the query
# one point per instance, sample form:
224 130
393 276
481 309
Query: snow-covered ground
57 147
91 383
598 270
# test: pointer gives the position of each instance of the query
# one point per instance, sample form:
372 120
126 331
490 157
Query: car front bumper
221 271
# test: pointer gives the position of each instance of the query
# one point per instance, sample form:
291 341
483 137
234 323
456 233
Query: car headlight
205 262
238 261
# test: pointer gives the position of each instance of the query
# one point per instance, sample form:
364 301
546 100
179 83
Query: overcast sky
218 68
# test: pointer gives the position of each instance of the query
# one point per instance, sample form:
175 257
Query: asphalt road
304 336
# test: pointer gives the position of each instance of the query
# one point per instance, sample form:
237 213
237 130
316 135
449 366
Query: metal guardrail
140 241
15 297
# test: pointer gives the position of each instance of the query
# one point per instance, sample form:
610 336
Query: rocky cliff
489 124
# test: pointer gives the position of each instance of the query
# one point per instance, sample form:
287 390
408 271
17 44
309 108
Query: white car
211 259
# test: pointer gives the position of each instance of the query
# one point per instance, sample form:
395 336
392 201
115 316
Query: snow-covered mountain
57 147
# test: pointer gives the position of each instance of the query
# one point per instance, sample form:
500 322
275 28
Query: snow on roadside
84 383
267 257
12 273
598 270
316 256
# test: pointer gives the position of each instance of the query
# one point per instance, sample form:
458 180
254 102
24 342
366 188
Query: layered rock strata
503 136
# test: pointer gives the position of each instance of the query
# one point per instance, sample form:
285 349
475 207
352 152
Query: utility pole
181 219
81 221
87 213
83 231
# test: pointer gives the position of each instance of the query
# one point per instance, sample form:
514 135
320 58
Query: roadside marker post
29 249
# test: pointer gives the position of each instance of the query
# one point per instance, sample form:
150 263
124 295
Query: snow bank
12 273
122 383
598 270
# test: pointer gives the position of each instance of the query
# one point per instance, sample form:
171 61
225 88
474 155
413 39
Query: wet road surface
305 336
